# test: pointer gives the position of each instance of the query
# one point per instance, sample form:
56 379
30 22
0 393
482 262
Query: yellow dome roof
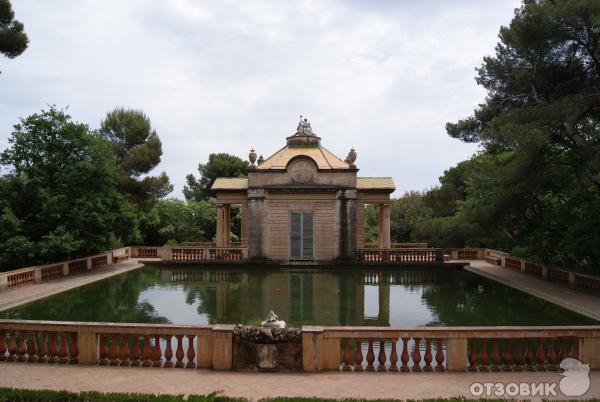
322 157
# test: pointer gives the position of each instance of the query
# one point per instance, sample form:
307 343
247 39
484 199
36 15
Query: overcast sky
220 76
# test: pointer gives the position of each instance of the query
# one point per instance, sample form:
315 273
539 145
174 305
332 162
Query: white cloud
223 76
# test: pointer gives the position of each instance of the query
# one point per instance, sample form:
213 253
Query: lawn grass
27 395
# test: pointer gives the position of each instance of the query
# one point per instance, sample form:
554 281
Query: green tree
444 199
403 212
60 197
174 221
218 165
137 149
371 223
13 39
535 188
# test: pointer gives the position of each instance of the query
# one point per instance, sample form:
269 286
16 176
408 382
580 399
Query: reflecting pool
407 296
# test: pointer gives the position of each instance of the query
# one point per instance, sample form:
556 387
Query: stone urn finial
272 321
260 160
351 158
252 157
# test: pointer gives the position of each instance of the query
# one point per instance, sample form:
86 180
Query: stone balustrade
400 255
43 273
203 254
135 345
146 252
375 349
398 245
236 253
464 254
505 260
442 349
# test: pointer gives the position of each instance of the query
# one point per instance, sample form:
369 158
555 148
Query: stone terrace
581 301
264 385
14 297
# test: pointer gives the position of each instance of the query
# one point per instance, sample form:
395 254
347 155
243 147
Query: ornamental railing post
222 347
37 275
331 353
312 349
87 345
589 351
204 354
439 256
456 354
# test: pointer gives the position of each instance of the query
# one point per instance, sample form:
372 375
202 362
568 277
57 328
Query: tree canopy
137 150
534 189
218 165
59 198
13 39
174 221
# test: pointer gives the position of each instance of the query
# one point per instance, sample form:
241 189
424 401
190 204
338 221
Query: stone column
347 224
226 225
244 224
380 227
258 223
360 224
384 226
219 234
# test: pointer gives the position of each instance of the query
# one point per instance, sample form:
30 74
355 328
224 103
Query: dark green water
333 296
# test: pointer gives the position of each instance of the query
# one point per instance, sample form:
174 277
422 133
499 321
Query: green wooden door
301 236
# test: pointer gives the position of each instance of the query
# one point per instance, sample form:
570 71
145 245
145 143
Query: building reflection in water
299 296
398 297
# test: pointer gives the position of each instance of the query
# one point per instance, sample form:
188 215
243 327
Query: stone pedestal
250 356
267 349
266 357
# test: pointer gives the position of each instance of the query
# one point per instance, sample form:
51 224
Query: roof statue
304 127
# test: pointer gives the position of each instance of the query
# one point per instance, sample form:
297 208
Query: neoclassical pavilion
302 203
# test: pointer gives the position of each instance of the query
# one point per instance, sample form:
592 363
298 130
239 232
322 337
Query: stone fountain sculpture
270 347
272 321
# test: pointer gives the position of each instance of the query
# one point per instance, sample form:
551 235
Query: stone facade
306 178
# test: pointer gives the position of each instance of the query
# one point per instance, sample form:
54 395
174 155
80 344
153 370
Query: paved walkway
13 297
583 302
263 385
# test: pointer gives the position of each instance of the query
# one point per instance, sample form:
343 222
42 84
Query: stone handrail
379 349
146 252
398 245
146 345
210 244
505 260
201 253
400 255
466 253
448 348
42 273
